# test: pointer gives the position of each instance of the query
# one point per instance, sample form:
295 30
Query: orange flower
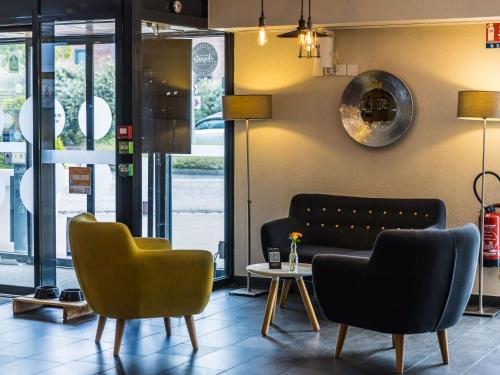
295 236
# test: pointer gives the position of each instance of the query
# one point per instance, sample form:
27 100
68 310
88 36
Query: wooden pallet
71 310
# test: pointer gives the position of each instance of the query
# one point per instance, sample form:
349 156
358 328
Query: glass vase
293 259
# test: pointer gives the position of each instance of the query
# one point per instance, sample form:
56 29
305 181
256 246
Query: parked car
209 130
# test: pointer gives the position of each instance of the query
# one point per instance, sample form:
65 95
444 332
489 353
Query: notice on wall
493 35
80 180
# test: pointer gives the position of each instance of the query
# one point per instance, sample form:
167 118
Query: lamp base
486 312
247 293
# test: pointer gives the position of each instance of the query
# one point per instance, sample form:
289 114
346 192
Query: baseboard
490 301
264 283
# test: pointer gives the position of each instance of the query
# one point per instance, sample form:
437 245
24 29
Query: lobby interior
249 187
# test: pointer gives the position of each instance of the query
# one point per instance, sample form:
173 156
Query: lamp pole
249 207
481 246
248 290
480 310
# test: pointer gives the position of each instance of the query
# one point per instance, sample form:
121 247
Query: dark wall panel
81 9
195 8
15 12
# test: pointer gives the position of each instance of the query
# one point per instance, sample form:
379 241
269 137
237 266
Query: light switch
352 70
340 70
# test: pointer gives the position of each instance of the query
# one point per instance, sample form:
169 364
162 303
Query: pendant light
306 35
299 32
262 33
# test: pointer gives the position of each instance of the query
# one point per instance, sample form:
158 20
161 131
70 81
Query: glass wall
78 63
16 174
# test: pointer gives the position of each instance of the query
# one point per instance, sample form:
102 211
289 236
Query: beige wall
305 148
245 13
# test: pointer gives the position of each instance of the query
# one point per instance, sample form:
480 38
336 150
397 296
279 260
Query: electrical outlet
352 70
340 70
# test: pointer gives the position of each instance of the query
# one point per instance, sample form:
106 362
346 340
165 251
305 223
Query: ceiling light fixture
307 36
262 33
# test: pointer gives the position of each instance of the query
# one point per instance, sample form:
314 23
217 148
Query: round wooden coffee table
262 269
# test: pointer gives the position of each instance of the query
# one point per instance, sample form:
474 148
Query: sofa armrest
338 283
275 234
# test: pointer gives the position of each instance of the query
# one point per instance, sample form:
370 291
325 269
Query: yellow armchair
125 277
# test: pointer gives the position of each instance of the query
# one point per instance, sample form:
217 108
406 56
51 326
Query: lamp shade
479 105
247 107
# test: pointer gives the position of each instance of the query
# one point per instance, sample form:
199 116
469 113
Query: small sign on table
274 258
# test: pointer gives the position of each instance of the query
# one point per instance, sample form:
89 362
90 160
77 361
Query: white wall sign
103 118
26 119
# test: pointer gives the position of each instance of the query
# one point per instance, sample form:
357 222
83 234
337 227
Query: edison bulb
262 36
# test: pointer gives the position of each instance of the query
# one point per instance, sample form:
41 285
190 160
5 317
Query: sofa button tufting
322 225
426 215
339 210
308 210
370 212
367 227
324 209
308 224
354 211
401 212
352 226
385 212
415 213
336 225
383 228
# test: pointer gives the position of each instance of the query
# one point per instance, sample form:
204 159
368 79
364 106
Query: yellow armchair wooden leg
100 328
168 326
192 331
120 327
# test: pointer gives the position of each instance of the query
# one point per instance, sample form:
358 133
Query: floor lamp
247 107
483 106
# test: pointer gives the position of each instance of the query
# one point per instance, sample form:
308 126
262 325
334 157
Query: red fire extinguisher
491 241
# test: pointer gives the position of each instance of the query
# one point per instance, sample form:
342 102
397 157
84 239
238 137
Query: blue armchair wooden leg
443 345
340 340
399 341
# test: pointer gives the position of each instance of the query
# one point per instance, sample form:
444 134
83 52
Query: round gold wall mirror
376 108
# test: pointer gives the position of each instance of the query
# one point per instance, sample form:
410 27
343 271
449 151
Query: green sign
13 64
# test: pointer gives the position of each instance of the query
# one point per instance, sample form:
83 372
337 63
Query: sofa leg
399 341
443 345
168 326
192 331
340 340
120 327
287 283
100 328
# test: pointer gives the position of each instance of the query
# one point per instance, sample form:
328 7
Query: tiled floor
231 343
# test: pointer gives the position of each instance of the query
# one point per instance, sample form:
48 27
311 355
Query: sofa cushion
307 252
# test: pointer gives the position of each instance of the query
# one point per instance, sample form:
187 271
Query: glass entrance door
77 104
16 183
184 184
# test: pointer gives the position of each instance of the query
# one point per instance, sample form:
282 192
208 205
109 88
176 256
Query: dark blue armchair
415 281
